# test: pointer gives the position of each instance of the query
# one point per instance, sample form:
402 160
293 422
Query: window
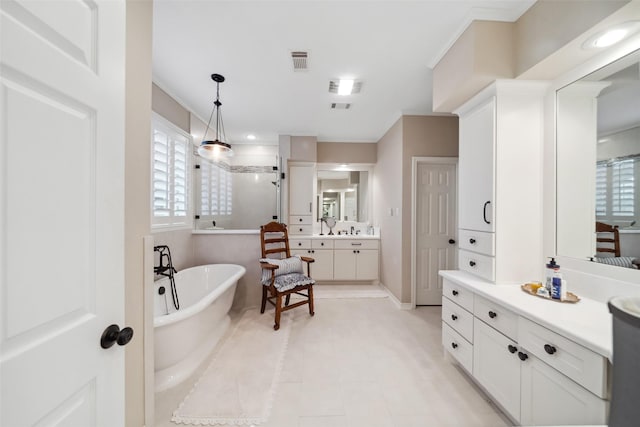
171 158
216 189
615 189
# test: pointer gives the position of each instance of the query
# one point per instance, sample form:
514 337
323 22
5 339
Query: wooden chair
610 242
282 275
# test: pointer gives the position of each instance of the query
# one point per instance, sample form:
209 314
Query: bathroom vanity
344 257
543 362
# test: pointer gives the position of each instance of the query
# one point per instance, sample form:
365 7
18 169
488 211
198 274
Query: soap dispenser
552 269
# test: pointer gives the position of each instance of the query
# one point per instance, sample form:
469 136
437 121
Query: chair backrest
274 239
608 239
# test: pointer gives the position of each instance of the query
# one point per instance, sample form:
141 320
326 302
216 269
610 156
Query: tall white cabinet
302 190
500 157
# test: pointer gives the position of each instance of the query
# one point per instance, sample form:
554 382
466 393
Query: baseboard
396 301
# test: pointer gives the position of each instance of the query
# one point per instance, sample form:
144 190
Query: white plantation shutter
622 188
171 158
216 189
601 189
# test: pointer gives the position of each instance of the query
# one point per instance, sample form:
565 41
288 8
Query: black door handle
492 314
454 345
549 349
472 263
523 356
112 334
451 241
455 293
512 348
484 211
454 317
472 241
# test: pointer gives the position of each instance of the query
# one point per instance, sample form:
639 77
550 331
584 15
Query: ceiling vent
334 84
340 105
300 60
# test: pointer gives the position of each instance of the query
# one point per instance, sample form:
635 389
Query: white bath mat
238 387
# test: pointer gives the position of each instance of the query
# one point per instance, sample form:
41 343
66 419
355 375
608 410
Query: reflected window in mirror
598 169
240 192
343 194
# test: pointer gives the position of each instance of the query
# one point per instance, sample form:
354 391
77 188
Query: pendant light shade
214 150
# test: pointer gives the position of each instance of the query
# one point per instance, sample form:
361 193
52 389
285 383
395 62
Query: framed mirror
344 192
598 165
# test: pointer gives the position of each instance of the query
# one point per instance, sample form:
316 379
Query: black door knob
454 317
472 263
472 241
455 293
112 334
492 314
451 241
523 356
454 345
549 349
512 348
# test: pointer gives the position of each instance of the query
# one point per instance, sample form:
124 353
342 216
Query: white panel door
435 228
477 170
61 211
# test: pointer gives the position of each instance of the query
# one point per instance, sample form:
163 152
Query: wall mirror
598 165
343 192
240 192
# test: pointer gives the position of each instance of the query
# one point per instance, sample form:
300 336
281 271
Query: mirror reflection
343 195
240 192
598 165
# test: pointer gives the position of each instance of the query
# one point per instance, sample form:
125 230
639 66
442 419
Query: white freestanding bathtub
184 338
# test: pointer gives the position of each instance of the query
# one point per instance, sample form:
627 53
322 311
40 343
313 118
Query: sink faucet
352 229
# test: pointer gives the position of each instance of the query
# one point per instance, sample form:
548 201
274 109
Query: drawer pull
322 244
549 349
472 241
492 314
451 241
454 345
455 293
356 244
299 243
512 348
301 229
300 219
454 317
523 356
472 263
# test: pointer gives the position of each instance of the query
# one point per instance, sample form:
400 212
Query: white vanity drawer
458 347
456 293
480 265
299 220
356 244
299 244
582 365
458 318
321 244
300 229
477 241
496 316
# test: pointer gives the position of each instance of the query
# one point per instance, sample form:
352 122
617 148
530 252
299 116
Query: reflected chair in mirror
607 240
282 274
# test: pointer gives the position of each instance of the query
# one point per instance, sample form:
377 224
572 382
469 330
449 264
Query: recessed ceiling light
612 35
251 137
345 87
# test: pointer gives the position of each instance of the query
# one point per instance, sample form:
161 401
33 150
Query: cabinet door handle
472 241
454 345
472 263
311 206
512 348
455 293
550 349
492 314
454 317
523 356
484 211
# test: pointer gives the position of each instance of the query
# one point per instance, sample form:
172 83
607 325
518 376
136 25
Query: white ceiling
391 46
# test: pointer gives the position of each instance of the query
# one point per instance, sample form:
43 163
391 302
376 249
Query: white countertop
335 236
586 322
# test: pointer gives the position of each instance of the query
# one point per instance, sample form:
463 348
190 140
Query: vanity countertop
587 322
336 236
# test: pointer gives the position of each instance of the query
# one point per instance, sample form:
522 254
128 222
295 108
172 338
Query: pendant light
213 150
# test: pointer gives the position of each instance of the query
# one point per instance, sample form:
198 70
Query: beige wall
387 194
170 109
347 152
549 25
304 148
137 188
428 136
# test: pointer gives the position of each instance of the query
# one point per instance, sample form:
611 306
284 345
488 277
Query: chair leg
286 300
310 294
264 299
278 312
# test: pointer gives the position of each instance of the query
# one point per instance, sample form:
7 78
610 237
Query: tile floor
361 362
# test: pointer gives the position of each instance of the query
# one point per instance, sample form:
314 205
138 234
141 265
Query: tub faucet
165 254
